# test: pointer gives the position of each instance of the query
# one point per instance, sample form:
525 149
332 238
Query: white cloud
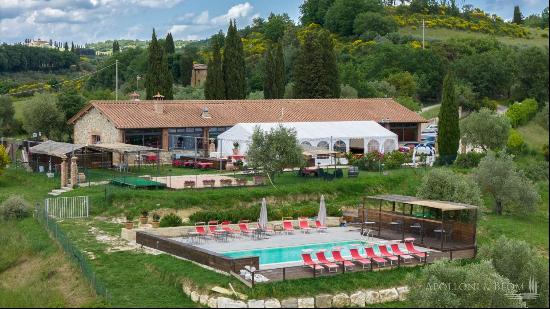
177 30
235 12
202 18
156 3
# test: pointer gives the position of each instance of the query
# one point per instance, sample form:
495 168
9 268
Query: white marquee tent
339 136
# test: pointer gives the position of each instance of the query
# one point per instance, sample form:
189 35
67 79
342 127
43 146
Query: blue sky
84 21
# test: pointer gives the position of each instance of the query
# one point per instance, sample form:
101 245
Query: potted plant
129 221
144 217
235 148
156 220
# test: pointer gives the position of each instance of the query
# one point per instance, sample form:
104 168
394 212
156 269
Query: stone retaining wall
359 298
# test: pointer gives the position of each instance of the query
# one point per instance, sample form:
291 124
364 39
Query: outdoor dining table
195 237
259 234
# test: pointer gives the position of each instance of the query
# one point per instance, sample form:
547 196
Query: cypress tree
233 65
214 87
116 47
72 47
186 68
330 72
169 46
66 46
518 17
449 132
274 72
159 77
315 70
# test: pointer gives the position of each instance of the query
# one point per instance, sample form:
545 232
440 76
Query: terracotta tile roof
176 114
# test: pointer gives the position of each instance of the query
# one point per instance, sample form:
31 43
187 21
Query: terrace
275 253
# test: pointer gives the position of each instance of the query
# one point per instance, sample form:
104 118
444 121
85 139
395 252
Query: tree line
18 58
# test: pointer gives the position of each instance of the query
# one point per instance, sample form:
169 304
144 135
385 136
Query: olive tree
485 129
446 284
273 151
504 254
498 176
41 114
445 185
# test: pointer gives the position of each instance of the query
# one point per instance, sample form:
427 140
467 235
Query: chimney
134 96
205 113
158 97
159 109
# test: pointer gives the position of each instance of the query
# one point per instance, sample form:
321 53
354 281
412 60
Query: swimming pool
293 254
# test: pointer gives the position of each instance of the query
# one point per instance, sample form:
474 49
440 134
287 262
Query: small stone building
198 76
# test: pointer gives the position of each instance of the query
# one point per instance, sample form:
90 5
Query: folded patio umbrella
262 222
322 216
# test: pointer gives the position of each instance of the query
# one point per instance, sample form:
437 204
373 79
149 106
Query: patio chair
201 231
396 250
356 257
213 230
287 227
267 230
421 256
308 262
229 230
320 227
304 226
385 253
244 229
379 260
332 267
337 256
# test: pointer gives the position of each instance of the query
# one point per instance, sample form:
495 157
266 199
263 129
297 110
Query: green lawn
444 34
534 135
110 200
431 113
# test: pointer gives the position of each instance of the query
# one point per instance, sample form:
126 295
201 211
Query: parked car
432 126
429 131
429 140
411 145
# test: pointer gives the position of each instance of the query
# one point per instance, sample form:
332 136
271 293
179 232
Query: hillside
538 37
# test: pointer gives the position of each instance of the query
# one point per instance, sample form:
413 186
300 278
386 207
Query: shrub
445 185
348 92
395 159
15 207
521 112
409 103
253 213
170 220
505 253
453 285
469 159
515 143
370 162
536 170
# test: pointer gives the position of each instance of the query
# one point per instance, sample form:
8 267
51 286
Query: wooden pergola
465 230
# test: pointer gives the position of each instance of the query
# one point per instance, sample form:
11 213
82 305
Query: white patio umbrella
322 216
262 222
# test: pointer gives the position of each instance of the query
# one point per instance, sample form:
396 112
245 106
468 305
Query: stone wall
359 298
94 123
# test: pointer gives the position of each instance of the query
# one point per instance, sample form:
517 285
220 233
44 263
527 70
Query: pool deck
334 234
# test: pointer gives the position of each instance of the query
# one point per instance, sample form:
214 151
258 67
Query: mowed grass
111 200
34 271
137 279
536 36
344 283
31 186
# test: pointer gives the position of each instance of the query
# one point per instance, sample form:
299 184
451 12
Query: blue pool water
293 254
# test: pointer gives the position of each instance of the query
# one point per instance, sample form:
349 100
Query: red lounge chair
304 226
385 253
244 229
308 262
288 228
337 256
320 227
396 250
358 258
201 230
370 253
417 254
326 263
228 229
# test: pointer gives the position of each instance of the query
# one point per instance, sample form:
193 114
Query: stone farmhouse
193 125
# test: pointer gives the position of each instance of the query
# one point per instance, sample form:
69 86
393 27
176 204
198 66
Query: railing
74 254
67 207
